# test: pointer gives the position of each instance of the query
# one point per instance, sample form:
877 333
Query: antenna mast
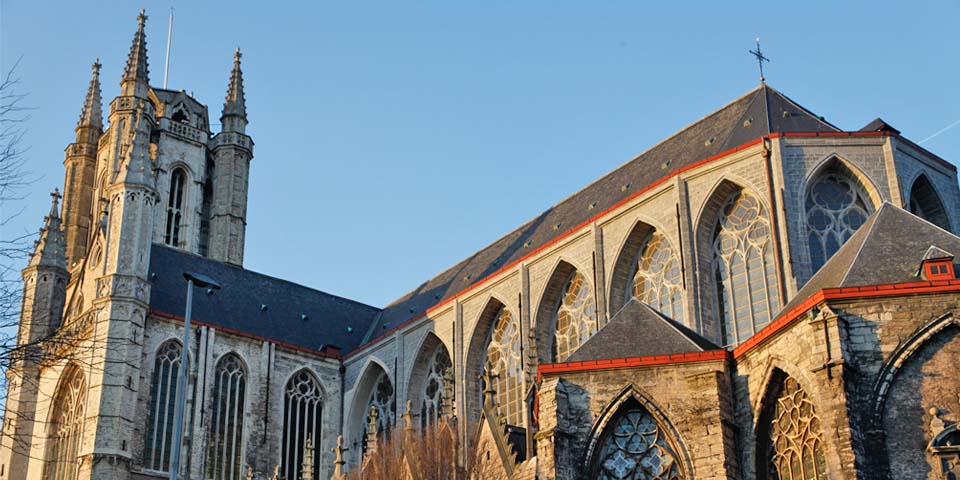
166 64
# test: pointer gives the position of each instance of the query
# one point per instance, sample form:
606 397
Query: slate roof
760 112
331 320
639 331
880 253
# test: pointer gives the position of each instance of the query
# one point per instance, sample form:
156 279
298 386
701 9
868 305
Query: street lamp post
199 280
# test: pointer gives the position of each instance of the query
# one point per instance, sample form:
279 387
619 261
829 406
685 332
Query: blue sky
394 139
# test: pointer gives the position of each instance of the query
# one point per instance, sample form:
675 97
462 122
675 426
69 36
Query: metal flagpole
166 64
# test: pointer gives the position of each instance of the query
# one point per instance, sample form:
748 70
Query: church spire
92 113
136 73
234 117
49 248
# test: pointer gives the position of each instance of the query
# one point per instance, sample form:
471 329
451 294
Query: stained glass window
66 426
797 444
836 208
433 390
576 318
503 355
657 280
745 269
226 430
635 447
163 398
302 414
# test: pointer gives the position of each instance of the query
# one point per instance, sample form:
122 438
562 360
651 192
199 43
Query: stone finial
936 423
50 248
338 461
307 470
136 72
276 473
249 473
372 427
235 104
91 115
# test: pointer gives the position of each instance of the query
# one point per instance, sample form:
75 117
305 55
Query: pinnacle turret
136 73
235 104
92 113
49 250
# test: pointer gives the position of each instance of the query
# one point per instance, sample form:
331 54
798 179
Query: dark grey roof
760 112
639 331
888 248
878 125
330 320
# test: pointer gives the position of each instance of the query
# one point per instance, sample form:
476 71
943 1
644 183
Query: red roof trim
845 293
677 358
590 220
244 334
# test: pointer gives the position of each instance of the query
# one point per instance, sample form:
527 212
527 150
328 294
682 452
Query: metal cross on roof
760 58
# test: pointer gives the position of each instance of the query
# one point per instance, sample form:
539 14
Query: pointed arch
164 383
648 268
65 425
739 290
302 420
632 438
426 386
176 207
837 201
496 340
835 161
374 388
226 446
788 432
927 204
566 314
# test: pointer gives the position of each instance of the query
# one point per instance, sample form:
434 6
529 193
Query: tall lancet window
657 281
225 447
66 426
302 414
836 207
433 390
503 356
744 267
163 397
576 317
171 235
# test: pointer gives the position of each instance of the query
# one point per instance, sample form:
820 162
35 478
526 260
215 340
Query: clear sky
394 139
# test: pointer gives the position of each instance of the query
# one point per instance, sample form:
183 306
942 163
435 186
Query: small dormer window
937 265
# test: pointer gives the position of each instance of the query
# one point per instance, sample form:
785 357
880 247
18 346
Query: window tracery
745 269
506 366
163 397
226 428
175 208
302 415
433 391
657 281
382 398
576 317
636 447
66 426
797 444
836 207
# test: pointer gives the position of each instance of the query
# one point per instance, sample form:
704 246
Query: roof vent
748 122
349 329
263 307
413 309
709 141
526 244
209 291
664 165
592 206
557 226
937 264
436 296
786 114
303 316
153 275
625 187
468 277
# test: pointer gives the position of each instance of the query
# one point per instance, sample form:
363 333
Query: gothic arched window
657 281
224 458
576 317
302 415
163 398
836 207
506 366
926 204
433 390
745 269
794 448
635 446
66 426
171 235
383 399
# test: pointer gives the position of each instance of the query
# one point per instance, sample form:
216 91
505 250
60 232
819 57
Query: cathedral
760 295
